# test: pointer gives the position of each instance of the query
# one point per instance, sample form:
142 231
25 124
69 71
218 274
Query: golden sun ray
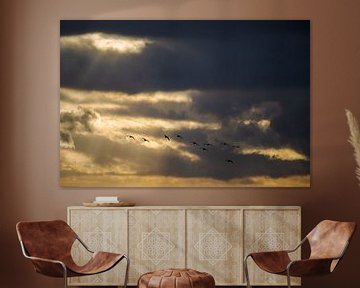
275 153
105 43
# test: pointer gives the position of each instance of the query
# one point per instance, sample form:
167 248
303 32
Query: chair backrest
329 239
46 239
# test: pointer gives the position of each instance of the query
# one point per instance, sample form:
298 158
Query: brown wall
29 123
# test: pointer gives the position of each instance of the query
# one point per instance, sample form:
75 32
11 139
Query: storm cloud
224 55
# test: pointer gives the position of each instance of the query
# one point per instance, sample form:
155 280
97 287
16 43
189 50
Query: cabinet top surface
192 207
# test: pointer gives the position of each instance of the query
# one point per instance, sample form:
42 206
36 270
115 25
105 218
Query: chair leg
65 276
288 278
246 270
126 271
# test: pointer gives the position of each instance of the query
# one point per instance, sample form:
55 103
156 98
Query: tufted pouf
176 278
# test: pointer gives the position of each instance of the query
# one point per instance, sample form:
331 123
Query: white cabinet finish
212 239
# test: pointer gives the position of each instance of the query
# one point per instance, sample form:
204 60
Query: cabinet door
100 230
156 240
270 230
214 244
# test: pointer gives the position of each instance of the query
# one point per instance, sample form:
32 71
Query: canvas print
184 103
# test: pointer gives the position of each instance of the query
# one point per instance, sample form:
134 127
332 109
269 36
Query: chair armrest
48 267
309 267
84 245
269 252
279 251
45 260
298 246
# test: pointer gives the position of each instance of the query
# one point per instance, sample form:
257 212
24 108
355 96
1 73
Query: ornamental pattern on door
156 240
270 230
209 239
101 230
214 241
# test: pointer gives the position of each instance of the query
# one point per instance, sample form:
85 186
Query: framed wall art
170 103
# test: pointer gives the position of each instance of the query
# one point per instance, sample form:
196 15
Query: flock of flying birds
205 147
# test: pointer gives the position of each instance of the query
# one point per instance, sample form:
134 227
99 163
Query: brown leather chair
328 242
48 245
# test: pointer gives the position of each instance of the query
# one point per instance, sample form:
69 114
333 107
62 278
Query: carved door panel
269 230
213 240
101 230
214 244
156 240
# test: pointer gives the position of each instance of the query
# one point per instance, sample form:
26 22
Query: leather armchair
328 242
48 245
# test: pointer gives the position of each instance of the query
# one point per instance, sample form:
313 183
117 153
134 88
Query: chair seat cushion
176 278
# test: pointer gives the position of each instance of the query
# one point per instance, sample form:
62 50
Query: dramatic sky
184 103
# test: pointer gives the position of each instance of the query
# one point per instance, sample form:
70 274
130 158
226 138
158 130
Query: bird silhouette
167 137
204 149
235 146
179 136
131 137
225 144
229 161
194 143
145 140
207 144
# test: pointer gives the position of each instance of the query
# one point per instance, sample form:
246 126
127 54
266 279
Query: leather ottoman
176 278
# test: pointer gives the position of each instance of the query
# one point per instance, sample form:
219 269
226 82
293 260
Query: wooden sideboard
212 239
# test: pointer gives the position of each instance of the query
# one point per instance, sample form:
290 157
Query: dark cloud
226 55
288 110
190 29
294 123
66 140
81 119
158 111
226 104
73 122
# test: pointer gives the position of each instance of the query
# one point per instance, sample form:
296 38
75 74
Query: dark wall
29 123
